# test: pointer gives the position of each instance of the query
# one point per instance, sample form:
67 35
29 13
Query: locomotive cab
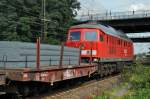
100 42
86 39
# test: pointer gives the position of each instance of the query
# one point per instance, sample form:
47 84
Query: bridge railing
115 15
142 36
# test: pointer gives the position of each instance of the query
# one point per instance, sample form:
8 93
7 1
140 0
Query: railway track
82 91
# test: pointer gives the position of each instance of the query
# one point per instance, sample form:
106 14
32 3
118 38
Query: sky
101 6
113 5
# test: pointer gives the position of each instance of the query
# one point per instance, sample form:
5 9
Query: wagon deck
50 74
42 63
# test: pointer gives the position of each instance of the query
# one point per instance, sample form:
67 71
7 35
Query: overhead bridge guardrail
115 15
139 36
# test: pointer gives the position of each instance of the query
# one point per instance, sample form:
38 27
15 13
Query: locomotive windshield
75 35
91 36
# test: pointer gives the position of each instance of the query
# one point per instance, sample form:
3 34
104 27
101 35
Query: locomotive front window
75 35
91 36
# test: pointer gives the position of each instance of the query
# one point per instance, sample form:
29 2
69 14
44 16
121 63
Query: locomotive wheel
101 75
110 70
106 70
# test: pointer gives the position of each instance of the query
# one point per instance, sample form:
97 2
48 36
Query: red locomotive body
102 42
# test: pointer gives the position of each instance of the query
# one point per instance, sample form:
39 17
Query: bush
139 77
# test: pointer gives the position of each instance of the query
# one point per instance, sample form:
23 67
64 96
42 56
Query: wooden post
91 54
38 53
61 55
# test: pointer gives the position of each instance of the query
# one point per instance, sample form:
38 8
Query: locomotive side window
75 35
91 36
101 38
107 40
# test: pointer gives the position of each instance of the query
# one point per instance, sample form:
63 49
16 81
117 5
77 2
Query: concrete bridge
128 22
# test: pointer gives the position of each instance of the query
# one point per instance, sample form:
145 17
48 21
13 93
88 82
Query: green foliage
22 19
102 97
139 77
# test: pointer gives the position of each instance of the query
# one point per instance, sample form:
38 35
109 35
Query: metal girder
141 40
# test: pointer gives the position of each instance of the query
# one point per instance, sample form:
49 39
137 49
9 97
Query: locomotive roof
105 28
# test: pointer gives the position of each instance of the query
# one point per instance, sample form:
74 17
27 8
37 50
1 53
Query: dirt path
122 91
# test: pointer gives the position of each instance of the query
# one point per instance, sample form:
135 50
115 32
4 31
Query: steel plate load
21 54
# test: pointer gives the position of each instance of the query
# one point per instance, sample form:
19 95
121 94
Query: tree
22 19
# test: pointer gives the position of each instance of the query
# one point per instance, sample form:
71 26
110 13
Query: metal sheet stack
20 54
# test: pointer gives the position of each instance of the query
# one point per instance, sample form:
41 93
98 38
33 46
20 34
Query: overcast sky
114 5
100 6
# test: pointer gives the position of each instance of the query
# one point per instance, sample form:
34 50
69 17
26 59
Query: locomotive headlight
95 60
88 52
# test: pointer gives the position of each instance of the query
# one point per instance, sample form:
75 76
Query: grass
114 91
139 77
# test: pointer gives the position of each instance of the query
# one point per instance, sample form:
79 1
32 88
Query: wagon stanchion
38 53
61 55
50 63
80 51
79 56
5 60
26 61
91 54
69 60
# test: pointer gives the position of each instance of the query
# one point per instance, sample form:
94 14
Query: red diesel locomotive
100 43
